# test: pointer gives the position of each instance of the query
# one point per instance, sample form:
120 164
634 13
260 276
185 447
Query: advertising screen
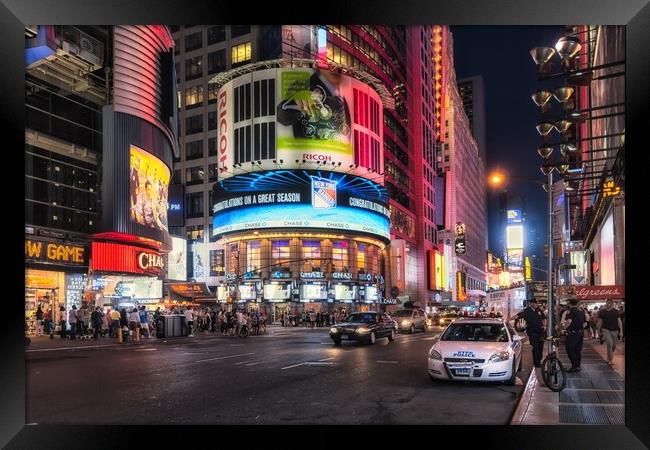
300 199
149 183
515 259
176 260
176 210
346 293
222 293
199 262
147 288
247 292
299 117
313 292
274 292
515 236
371 294
579 275
514 216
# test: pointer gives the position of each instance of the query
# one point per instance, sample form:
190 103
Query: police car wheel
513 376
433 378
337 341
412 329
373 338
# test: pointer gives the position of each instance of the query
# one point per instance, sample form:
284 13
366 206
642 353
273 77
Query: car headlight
499 356
406 322
334 330
434 354
362 330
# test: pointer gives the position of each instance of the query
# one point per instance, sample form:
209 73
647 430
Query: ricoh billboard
300 199
299 118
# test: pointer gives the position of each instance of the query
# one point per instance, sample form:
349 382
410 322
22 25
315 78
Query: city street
292 376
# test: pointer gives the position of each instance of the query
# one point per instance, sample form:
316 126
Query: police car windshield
361 318
482 332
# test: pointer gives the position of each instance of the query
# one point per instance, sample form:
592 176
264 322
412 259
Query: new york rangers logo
323 193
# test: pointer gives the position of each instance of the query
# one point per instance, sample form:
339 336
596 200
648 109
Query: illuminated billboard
515 236
176 260
199 262
579 275
300 199
514 216
515 259
293 118
149 183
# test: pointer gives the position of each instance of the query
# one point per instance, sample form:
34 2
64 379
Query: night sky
502 56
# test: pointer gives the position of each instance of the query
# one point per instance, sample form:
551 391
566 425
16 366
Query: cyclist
535 328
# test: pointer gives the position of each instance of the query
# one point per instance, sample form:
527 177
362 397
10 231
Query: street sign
460 245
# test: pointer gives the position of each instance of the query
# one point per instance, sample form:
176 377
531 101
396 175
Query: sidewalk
44 343
593 396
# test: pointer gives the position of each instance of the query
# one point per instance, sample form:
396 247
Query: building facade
98 157
472 94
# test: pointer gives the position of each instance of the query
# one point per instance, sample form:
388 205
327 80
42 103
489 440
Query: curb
524 401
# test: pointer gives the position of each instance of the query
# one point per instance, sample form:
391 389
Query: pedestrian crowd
312 319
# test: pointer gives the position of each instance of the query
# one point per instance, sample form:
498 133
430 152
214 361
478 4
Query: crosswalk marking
224 357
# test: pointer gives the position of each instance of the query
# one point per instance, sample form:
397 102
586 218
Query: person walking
115 322
96 319
610 328
144 321
39 321
73 319
312 319
134 322
535 329
63 318
189 319
574 324
593 323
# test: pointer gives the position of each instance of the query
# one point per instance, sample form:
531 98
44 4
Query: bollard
136 335
119 335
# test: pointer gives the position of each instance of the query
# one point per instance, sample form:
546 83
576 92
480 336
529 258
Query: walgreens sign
600 292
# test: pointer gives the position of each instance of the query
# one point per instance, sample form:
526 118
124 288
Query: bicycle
553 372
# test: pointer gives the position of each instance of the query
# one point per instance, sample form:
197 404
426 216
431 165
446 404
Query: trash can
160 327
173 325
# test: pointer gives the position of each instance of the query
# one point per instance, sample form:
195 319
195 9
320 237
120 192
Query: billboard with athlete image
300 118
149 183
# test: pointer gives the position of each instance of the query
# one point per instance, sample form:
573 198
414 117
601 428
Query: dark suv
363 326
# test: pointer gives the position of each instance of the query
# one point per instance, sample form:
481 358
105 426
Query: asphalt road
297 377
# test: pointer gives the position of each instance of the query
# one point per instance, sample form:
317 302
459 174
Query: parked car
410 320
365 327
476 349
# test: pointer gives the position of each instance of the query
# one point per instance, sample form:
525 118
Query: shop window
340 256
311 256
253 256
241 54
361 257
280 254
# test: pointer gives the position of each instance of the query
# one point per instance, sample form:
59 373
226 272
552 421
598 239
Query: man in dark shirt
610 327
535 327
573 325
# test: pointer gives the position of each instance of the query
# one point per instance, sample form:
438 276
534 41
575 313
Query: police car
476 349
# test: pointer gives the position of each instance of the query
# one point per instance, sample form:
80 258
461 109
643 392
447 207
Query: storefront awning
190 292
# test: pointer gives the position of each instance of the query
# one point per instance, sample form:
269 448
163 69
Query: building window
212 120
311 256
264 98
361 257
239 30
340 256
194 124
194 234
212 172
217 61
213 148
176 178
194 175
280 254
446 158
213 91
217 268
193 97
193 41
241 53
193 150
253 256
194 205
216 34
193 68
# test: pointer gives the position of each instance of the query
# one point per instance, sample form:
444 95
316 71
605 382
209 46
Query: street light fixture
563 94
562 126
545 151
544 128
542 56
541 99
567 48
